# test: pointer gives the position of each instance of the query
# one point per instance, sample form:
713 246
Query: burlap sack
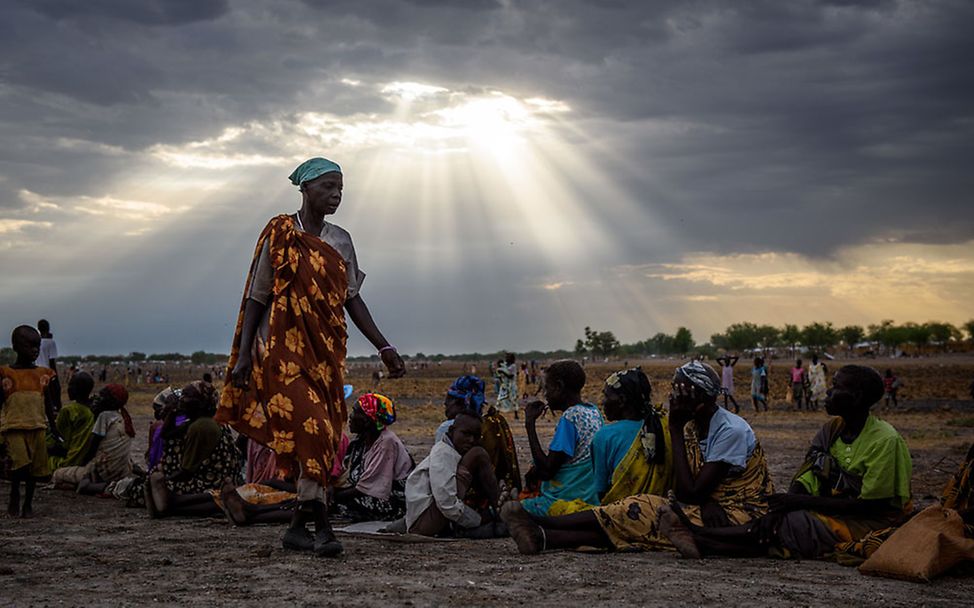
925 547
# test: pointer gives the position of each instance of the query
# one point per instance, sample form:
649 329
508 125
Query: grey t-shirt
262 277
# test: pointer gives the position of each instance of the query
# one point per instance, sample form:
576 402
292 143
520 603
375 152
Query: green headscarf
313 168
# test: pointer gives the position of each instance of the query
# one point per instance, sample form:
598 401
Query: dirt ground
83 550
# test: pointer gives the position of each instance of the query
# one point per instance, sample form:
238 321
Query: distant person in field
48 358
727 363
74 423
798 381
720 473
109 449
565 471
892 385
817 386
436 488
26 412
467 394
286 389
759 385
632 453
855 479
506 375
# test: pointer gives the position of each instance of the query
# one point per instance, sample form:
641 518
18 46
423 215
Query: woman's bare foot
673 529
233 505
528 535
158 492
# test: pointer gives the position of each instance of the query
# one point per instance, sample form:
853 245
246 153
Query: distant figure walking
506 381
727 363
759 385
798 381
48 358
817 386
891 384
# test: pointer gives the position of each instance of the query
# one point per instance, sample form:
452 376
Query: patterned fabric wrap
378 408
959 492
634 387
295 401
471 390
201 395
700 375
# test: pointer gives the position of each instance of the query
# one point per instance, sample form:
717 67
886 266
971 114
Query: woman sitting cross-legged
632 453
721 479
199 456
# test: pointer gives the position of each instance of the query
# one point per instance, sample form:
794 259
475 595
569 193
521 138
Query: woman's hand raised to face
533 411
682 402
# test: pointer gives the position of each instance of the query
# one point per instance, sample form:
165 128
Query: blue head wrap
312 168
471 390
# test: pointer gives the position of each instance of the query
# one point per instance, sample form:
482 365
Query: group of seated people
691 477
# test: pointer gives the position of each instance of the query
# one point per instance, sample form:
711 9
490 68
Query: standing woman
288 354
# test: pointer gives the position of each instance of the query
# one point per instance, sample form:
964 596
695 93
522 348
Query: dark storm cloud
800 126
145 12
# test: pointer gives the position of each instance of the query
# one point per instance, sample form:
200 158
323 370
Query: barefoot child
26 411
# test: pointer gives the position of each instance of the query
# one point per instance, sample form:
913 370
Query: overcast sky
514 170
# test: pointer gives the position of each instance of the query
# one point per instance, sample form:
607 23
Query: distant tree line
885 337
8 356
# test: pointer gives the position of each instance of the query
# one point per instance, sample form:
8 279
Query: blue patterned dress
573 436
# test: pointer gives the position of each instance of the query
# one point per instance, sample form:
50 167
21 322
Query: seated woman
164 402
74 423
855 480
467 394
565 472
376 465
721 479
632 454
199 456
108 456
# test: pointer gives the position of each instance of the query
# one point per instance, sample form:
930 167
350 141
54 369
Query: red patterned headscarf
114 397
378 408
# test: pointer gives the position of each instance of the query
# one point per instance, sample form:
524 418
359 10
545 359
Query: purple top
155 447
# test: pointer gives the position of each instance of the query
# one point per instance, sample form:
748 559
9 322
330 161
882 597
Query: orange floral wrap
295 402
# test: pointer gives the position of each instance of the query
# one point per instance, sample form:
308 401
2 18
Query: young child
26 411
727 363
891 384
74 423
436 487
566 471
